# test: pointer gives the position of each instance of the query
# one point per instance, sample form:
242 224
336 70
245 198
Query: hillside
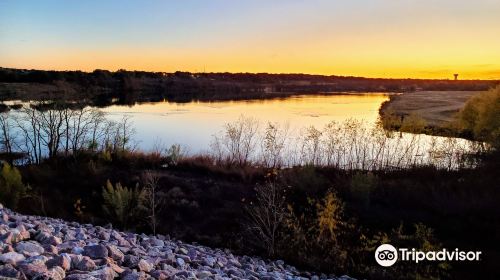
44 248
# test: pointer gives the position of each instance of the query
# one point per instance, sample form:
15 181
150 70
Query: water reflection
193 124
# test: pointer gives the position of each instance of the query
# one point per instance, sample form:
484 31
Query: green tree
11 186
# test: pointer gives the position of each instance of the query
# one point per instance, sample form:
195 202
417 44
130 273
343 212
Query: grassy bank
443 113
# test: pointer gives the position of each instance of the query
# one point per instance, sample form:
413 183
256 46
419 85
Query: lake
335 130
193 124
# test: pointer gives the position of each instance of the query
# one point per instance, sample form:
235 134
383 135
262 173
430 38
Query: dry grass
437 108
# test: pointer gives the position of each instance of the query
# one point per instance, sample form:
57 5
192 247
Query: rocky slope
45 248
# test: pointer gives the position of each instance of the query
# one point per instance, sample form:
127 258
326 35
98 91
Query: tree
153 201
11 186
237 143
273 145
267 214
481 116
6 136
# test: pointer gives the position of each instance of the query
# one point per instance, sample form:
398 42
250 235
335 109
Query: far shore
435 110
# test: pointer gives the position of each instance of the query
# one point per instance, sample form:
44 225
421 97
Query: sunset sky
372 38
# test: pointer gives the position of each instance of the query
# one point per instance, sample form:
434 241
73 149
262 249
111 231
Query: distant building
456 76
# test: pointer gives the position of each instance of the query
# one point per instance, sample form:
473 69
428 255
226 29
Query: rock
234 272
157 242
83 263
115 253
105 273
132 276
185 274
69 250
77 250
104 235
37 260
234 262
209 261
4 218
5 248
29 248
95 251
51 249
11 258
7 237
63 261
186 259
180 262
118 269
22 232
47 238
161 274
57 273
9 271
203 274
131 261
32 270
15 235
80 276
145 266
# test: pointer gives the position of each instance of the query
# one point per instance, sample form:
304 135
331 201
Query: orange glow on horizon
398 40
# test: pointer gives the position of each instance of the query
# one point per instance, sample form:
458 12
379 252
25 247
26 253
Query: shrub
481 117
318 234
174 154
266 215
121 204
11 186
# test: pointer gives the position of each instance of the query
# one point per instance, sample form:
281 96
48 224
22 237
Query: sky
370 38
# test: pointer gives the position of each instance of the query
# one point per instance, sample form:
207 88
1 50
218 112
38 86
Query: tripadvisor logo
387 255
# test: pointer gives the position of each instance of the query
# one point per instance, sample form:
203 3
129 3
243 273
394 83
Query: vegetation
11 186
322 203
102 87
480 117
121 204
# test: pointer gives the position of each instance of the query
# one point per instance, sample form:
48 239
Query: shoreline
428 112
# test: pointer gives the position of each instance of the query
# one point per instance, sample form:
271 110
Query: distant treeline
185 86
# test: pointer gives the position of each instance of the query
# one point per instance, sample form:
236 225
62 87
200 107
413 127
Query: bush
481 117
121 204
319 236
11 186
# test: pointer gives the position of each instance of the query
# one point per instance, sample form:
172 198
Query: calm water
194 124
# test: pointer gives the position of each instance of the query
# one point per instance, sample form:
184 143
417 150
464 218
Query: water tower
456 76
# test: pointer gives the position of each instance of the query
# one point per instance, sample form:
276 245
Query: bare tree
237 143
52 127
273 145
29 126
267 214
6 137
311 146
153 200
124 132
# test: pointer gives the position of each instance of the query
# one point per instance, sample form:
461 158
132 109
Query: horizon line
256 73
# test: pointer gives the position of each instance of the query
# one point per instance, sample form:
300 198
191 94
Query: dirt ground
436 107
